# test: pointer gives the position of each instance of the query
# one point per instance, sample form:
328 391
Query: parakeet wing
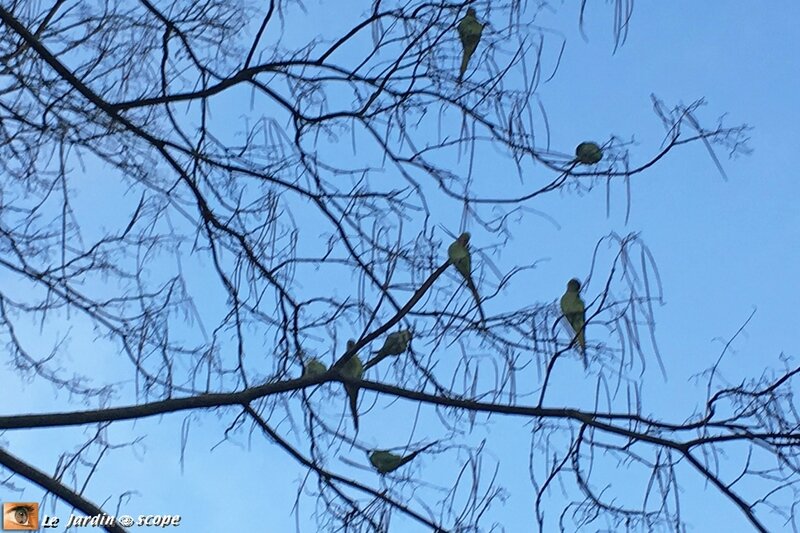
574 310
353 368
396 343
459 256
385 462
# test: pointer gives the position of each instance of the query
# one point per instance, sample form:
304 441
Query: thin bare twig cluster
219 197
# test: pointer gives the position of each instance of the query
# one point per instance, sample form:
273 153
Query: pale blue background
722 248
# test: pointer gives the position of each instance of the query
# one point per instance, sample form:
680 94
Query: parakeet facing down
353 368
385 461
395 344
469 31
588 153
458 253
575 312
314 367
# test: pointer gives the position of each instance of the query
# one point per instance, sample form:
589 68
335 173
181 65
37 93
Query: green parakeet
314 367
588 153
385 461
458 253
353 368
575 312
395 344
469 31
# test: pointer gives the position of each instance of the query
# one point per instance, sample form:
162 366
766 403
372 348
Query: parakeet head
471 12
464 238
574 285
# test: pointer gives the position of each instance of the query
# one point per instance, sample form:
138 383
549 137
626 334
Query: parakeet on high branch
574 311
458 253
395 344
353 368
588 153
385 461
469 31
314 367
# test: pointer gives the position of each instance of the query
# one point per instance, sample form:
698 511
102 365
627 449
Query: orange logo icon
20 516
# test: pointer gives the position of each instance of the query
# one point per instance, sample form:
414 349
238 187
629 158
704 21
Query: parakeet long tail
352 395
582 343
469 49
577 326
411 457
476 296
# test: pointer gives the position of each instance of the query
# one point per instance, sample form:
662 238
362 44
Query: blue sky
723 248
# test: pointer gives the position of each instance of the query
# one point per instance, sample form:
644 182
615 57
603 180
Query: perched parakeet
353 368
458 253
469 31
314 367
395 344
385 461
588 153
575 312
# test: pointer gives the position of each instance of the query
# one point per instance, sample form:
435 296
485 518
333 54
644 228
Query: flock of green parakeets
384 461
396 343
572 306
